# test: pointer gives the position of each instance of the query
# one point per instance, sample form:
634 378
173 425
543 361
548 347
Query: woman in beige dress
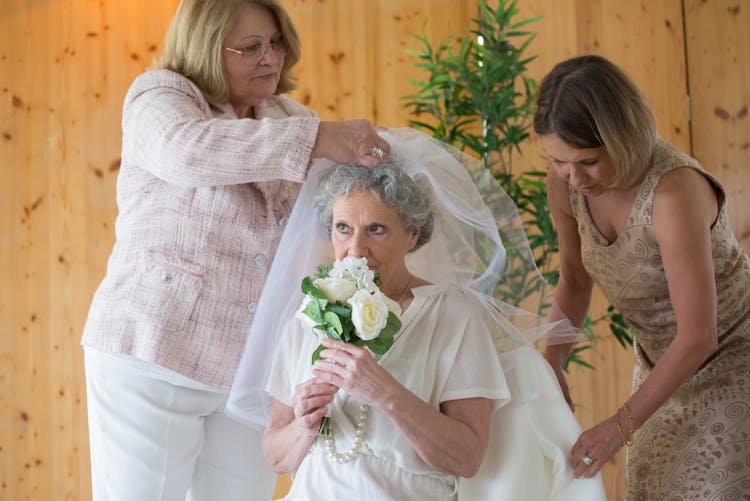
650 227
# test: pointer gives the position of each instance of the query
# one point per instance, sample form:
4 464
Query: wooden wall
65 66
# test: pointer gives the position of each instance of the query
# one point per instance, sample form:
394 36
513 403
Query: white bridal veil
478 244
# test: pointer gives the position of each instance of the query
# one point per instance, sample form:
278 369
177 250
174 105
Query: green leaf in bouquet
379 345
314 310
316 354
343 311
334 322
392 325
322 270
331 332
348 332
308 288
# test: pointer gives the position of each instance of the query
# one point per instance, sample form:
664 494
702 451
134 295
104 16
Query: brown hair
591 103
195 41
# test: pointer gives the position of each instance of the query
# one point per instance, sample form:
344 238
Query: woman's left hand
599 443
354 369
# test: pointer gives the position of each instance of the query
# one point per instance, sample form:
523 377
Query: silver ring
587 460
378 152
298 410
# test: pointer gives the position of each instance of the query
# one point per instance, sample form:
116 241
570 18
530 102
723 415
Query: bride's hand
354 370
309 403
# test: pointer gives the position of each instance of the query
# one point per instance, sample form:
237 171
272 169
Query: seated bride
430 389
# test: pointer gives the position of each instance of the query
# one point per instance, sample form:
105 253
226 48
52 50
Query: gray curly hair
390 184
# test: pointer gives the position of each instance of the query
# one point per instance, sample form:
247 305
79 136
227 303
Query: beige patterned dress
697 445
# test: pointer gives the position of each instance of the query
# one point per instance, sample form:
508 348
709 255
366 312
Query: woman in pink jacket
213 156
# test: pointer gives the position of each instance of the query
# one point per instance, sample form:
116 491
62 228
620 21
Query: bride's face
363 226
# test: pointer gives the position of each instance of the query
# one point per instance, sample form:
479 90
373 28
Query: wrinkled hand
350 142
600 443
354 370
309 403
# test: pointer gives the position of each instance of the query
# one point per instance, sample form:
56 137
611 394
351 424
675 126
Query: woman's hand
292 430
451 440
351 142
354 370
599 443
309 403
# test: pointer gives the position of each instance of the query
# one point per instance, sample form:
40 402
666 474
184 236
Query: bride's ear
414 237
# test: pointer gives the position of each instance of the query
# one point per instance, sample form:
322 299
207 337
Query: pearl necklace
352 453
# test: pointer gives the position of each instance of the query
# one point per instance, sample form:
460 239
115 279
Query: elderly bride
422 419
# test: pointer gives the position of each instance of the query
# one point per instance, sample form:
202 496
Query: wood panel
354 61
718 49
65 66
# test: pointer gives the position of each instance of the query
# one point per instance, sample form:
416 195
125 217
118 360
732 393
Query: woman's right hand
309 403
350 142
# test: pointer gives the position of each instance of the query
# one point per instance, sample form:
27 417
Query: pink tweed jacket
203 198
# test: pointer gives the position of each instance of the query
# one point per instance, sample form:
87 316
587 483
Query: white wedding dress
530 438
530 432
442 352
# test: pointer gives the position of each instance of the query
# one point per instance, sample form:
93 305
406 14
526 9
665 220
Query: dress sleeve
476 371
172 132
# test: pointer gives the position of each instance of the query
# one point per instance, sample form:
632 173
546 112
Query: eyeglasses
255 51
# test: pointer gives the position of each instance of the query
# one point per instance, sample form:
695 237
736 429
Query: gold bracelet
619 428
631 427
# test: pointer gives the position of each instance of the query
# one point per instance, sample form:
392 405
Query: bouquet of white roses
344 302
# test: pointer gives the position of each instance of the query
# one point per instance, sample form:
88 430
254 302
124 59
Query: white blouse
444 351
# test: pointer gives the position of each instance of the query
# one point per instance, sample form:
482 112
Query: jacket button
252 306
166 278
282 221
260 259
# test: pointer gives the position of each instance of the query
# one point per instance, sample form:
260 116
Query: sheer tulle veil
478 245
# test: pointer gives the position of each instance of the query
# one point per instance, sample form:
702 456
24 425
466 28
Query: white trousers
152 439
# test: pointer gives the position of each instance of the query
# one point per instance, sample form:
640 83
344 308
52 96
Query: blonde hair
195 42
591 103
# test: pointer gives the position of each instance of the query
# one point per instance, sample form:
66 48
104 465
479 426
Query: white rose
369 313
336 289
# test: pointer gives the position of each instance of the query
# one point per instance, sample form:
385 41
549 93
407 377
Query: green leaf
314 310
309 289
392 325
322 270
379 345
344 311
316 354
334 322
